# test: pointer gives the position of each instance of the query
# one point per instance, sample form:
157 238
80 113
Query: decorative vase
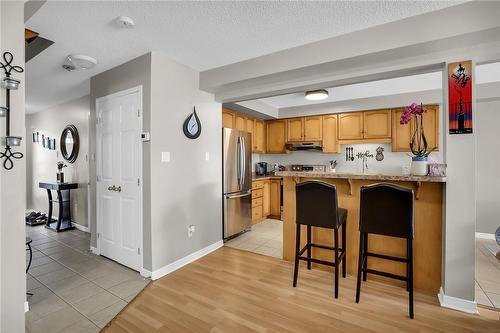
60 177
419 166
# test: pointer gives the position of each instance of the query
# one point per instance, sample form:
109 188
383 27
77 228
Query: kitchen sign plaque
460 97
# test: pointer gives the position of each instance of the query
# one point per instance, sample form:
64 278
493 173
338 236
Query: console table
63 200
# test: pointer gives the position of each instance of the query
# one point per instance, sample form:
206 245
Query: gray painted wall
41 162
128 75
13 182
487 121
187 190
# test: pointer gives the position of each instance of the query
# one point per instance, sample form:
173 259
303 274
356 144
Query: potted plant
60 173
418 142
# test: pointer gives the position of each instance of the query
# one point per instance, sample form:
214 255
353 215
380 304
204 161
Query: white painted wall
188 189
13 182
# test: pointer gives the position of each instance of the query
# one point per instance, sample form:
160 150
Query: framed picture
53 144
43 140
34 137
47 144
460 97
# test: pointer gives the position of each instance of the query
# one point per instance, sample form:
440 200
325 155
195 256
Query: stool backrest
386 209
316 204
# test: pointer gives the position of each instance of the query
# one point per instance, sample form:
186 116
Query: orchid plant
418 143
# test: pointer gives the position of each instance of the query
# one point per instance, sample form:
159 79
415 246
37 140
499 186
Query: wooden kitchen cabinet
295 129
401 134
313 128
350 126
259 136
240 122
275 198
266 199
276 136
227 118
330 141
377 124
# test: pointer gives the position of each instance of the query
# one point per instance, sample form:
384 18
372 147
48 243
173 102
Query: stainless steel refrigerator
236 181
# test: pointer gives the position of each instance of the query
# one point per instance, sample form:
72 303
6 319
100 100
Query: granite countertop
368 176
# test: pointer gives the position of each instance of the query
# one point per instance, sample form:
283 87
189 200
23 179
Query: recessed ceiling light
316 95
125 22
78 61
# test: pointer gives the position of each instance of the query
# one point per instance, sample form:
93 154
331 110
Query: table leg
49 215
60 218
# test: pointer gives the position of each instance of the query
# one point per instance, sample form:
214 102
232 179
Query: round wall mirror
70 143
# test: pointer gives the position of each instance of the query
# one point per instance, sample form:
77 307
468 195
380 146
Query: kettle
261 169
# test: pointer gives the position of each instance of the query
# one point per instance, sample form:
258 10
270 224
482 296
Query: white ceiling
201 35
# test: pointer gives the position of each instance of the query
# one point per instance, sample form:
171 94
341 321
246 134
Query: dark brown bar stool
317 206
386 209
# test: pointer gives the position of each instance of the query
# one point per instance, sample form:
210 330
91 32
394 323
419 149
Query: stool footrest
319 246
389 275
382 256
318 261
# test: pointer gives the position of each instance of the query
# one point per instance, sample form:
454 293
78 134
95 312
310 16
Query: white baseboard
186 260
94 251
457 303
483 235
81 227
26 306
145 273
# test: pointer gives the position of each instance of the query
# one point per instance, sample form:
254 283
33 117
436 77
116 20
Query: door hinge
98 178
138 182
138 251
138 112
98 235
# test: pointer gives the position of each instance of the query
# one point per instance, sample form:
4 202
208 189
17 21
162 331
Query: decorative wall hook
9 84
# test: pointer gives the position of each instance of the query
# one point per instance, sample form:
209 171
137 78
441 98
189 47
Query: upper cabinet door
377 124
313 128
227 119
401 133
330 142
431 126
350 126
240 122
295 129
276 136
259 136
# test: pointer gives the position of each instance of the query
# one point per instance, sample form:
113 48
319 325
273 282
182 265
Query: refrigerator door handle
243 162
238 162
235 196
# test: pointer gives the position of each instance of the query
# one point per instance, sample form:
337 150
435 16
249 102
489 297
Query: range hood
305 145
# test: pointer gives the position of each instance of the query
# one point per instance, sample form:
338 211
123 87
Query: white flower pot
419 168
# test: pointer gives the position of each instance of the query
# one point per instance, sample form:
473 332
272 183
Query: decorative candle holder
9 84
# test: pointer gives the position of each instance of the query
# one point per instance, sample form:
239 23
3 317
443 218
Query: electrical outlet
191 230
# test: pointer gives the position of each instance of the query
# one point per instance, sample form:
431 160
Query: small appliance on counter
307 168
261 169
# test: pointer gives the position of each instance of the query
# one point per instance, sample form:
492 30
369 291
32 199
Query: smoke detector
125 22
78 61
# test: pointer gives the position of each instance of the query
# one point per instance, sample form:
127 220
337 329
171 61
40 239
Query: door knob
111 188
119 188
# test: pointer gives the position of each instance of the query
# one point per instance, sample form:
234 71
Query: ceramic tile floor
74 290
265 238
487 274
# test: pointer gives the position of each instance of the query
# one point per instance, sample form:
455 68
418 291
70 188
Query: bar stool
387 210
317 206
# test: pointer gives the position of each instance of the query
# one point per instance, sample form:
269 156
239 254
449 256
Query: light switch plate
165 156
207 156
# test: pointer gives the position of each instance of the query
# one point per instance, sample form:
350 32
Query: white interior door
119 169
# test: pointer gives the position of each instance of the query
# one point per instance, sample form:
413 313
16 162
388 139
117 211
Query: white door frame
99 225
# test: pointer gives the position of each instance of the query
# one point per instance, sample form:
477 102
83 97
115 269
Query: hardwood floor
236 291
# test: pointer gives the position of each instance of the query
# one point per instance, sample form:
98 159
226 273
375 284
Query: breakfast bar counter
428 215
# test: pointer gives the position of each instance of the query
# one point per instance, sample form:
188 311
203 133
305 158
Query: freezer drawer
237 213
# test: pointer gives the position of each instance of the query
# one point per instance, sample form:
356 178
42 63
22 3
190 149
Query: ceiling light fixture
78 61
316 95
125 22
